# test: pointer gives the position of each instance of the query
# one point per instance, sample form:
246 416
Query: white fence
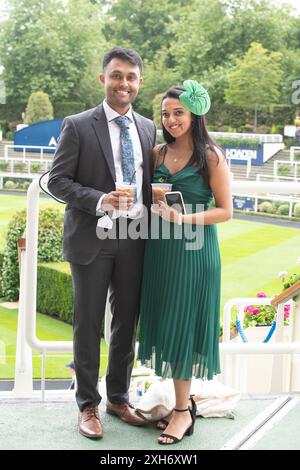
26 149
293 150
294 164
280 373
22 167
291 201
27 338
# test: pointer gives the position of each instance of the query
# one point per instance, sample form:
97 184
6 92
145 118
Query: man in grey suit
89 160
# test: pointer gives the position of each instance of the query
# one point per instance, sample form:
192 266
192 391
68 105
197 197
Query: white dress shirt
114 132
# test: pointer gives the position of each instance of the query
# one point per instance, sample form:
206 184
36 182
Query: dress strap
162 151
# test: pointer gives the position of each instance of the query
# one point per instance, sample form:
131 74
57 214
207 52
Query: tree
47 45
213 33
39 108
141 25
159 75
254 82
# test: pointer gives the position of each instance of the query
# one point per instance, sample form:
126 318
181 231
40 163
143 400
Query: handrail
29 279
258 187
277 178
294 163
30 276
292 152
24 147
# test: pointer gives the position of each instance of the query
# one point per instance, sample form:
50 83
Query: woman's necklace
177 158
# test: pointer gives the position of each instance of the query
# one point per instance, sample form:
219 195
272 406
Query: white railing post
233 372
295 359
31 275
29 287
277 369
23 386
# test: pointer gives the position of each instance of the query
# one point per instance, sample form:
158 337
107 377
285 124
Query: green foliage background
49 247
58 46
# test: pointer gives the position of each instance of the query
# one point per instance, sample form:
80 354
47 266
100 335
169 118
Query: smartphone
174 199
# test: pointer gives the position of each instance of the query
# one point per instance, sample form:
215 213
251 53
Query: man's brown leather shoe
90 424
126 412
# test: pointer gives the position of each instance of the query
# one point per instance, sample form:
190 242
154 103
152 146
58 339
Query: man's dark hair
128 55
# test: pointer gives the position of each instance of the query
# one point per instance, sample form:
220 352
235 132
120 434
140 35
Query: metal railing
26 148
260 176
286 163
247 160
291 201
230 351
292 152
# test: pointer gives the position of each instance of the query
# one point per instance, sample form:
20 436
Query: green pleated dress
180 298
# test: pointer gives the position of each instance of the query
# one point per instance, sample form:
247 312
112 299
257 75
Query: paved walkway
267 220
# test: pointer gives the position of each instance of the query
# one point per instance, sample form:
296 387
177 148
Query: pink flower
255 311
248 309
286 315
261 294
287 308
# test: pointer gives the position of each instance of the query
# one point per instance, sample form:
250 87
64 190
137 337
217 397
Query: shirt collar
111 114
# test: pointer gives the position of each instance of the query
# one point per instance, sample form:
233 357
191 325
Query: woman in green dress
180 300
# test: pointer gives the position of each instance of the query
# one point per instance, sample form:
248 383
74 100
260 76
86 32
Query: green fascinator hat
195 97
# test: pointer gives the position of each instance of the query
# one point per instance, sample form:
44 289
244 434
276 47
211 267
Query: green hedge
238 142
1 263
49 246
54 290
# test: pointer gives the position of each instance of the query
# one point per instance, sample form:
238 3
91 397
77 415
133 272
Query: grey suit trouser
118 267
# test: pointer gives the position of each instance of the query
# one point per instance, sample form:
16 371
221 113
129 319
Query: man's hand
119 200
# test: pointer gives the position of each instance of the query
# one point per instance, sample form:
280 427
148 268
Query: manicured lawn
252 256
47 329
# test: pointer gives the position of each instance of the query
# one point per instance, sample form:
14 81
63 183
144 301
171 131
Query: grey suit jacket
83 169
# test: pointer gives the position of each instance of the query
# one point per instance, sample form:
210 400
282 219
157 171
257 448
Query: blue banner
42 134
243 203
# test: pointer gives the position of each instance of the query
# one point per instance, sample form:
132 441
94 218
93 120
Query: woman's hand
166 212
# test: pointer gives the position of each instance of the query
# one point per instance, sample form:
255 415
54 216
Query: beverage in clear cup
159 190
127 187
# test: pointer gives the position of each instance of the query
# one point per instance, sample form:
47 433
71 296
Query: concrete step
240 171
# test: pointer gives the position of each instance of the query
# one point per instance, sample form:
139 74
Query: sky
294 3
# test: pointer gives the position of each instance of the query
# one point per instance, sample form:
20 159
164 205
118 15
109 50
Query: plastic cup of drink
127 187
159 190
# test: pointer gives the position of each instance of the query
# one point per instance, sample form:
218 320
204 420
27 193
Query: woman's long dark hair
200 136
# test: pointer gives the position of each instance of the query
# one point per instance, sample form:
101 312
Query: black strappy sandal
164 422
188 432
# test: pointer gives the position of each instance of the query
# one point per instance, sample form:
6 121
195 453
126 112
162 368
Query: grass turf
47 329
